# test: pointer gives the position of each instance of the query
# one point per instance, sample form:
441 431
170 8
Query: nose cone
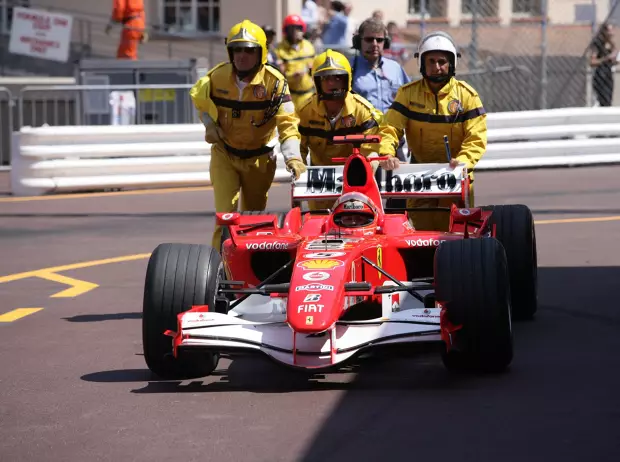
313 303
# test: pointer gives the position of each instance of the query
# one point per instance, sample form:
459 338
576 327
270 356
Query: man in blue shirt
375 77
334 32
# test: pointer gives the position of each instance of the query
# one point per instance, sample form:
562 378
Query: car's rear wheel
515 230
177 277
471 278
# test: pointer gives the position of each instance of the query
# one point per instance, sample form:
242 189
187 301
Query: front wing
273 337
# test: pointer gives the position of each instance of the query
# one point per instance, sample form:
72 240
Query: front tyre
177 277
471 278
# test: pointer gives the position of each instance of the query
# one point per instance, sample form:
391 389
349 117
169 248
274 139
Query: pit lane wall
90 158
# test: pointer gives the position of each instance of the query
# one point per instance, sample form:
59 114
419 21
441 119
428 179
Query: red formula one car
315 289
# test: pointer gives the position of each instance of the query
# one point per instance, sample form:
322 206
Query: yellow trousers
233 177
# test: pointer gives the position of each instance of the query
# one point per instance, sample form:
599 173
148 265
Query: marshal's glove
391 164
296 166
213 132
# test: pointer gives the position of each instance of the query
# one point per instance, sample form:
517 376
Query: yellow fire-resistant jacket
456 111
358 116
218 96
297 59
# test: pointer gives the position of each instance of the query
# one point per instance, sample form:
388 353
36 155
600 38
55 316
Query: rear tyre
177 277
471 278
515 230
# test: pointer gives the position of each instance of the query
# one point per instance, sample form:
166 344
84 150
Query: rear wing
408 181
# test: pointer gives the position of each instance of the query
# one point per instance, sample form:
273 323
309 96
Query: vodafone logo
424 242
267 246
227 216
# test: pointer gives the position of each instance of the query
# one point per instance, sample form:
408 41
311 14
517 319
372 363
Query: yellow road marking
77 287
577 220
17 314
57 269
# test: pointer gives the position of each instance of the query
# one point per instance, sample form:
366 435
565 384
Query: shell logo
320 264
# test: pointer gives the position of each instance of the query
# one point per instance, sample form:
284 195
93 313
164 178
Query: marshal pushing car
315 289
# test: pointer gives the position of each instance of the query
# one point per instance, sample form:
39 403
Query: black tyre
515 230
471 278
226 233
177 277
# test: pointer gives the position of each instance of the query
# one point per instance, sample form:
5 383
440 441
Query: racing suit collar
446 89
348 108
256 80
292 46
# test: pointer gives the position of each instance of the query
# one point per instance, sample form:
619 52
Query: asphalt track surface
74 385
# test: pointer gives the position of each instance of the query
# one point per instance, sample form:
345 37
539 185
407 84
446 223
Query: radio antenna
447 145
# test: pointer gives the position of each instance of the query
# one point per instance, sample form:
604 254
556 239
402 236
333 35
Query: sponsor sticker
316 276
424 242
353 205
325 264
331 244
314 288
267 246
310 308
324 255
312 298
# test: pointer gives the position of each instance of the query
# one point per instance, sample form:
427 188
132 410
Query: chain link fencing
529 63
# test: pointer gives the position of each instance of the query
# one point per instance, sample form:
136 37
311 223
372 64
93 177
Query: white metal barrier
78 158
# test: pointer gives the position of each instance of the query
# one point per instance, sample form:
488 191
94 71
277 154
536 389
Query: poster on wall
41 34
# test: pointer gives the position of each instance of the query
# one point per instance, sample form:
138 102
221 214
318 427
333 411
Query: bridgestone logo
424 242
267 246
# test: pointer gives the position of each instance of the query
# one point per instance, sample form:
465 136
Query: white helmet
437 41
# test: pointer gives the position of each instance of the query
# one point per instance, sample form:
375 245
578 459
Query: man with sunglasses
242 103
333 110
435 106
296 54
376 77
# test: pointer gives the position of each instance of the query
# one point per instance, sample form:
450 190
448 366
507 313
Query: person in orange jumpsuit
130 14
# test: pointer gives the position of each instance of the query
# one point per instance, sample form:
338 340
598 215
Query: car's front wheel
177 277
471 278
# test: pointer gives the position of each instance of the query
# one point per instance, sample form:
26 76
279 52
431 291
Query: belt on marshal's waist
247 153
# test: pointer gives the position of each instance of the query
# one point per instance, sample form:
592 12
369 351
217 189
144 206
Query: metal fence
6 126
58 105
516 59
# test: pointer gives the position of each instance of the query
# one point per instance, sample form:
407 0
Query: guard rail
77 158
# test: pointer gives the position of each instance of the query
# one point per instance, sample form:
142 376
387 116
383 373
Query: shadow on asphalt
103 317
558 400
566 296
